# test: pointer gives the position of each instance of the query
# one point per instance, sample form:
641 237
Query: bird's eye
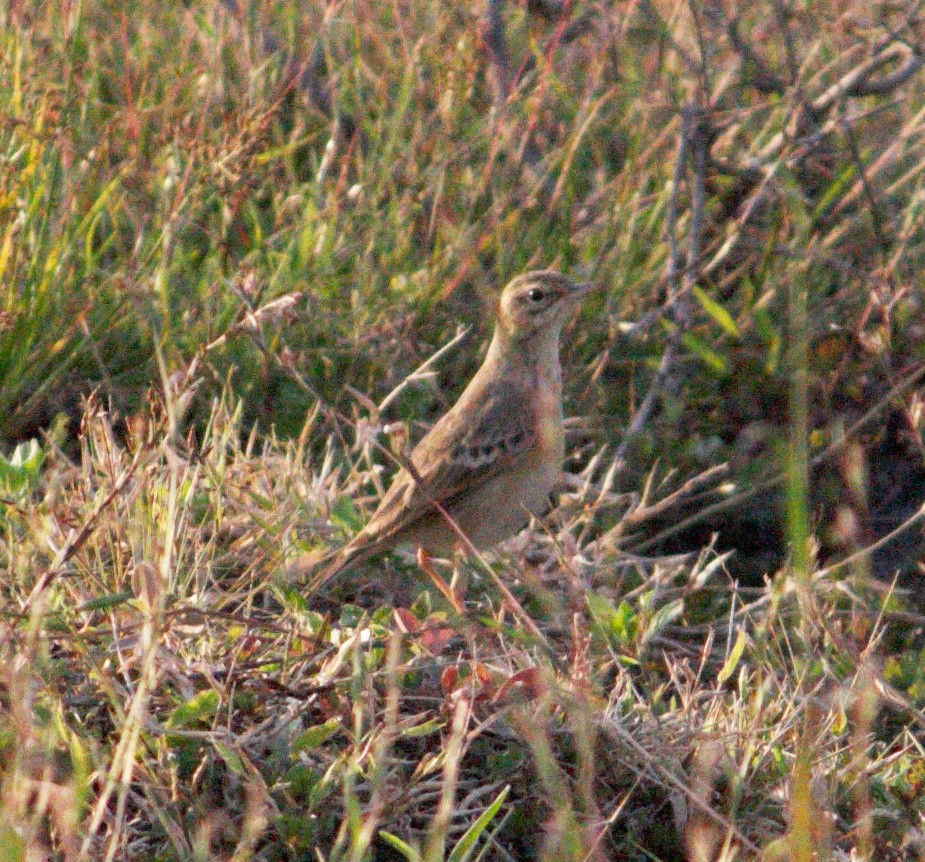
535 294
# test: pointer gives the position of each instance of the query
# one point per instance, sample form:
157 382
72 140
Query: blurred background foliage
167 170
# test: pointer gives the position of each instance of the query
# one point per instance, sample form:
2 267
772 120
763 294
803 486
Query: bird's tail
315 571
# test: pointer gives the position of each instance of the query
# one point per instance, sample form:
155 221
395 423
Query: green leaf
402 847
345 515
734 656
835 189
28 457
717 312
23 466
82 764
462 852
771 337
202 707
317 735
111 601
663 617
425 729
625 623
706 354
232 758
620 624
293 599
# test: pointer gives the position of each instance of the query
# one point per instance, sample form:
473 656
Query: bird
492 460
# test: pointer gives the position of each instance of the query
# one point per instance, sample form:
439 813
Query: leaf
111 601
449 678
713 360
232 759
407 621
835 189
620 624
292 598
23 466
202 707
601 608
625 623
530 680
462 852
481 673
7 248
771 337
425 729
28 457
663 617
436 640
735 654
716 311
345 515
402 847
316 736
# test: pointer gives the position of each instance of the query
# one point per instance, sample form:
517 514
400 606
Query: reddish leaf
435 640
407 621
481 673
249 644
530 681
449 678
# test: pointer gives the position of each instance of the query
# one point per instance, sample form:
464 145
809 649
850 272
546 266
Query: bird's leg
426 564
459 583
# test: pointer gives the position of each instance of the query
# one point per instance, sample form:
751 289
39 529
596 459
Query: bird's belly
498 510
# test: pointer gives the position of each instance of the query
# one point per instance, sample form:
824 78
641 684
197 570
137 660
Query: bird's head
539 302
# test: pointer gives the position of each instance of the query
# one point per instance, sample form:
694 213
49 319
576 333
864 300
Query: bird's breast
550 434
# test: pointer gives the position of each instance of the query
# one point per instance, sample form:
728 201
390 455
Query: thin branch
876 214
762 78
495 41
422 372
783 15
857 82
681 275
865 552
615 730
890 82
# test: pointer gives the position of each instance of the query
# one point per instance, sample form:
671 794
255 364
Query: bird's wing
487 432
462 451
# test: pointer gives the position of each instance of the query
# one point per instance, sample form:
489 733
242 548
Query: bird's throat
534 364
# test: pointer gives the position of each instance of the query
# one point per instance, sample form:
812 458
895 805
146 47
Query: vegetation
234 240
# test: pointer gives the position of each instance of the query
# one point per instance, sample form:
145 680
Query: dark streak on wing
459 460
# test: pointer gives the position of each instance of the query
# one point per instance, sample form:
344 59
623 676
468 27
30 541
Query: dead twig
883 541
762 77
681 274
76 540
422 372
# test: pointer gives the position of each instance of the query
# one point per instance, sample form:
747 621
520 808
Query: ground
233 234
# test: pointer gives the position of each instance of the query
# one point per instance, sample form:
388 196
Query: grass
215 273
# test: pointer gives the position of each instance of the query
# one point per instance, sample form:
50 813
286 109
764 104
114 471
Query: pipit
492 460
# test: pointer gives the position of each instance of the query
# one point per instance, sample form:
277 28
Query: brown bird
492 460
